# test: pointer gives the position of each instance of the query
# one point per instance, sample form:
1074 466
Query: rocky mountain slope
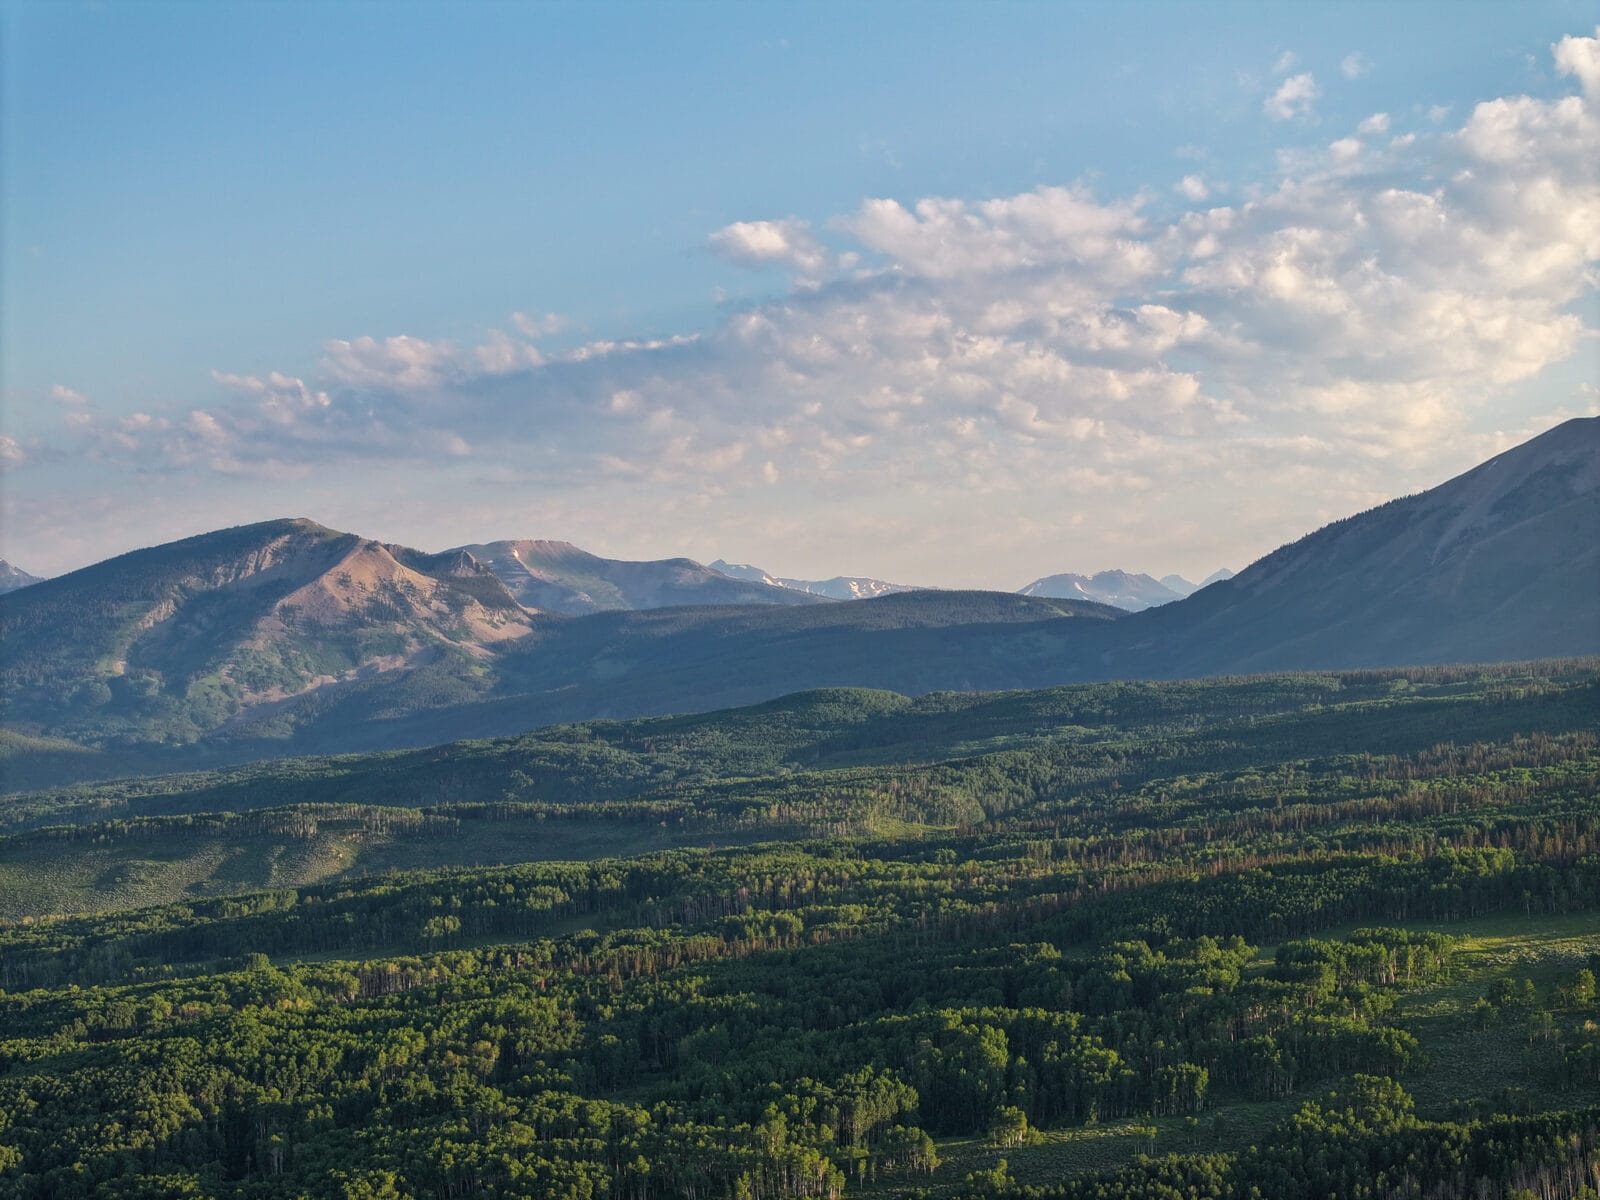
1120 589
171 643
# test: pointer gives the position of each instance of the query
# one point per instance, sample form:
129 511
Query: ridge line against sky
1331 288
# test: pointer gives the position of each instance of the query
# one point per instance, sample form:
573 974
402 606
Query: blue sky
956 294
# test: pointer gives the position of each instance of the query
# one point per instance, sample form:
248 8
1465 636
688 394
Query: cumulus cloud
1047 228
1354 66
1193 187
62 394
1345 150
1293 97
1376 123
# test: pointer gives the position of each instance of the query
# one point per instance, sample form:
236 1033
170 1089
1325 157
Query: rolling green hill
838 762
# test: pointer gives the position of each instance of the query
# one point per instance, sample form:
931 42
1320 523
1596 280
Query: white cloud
1345 150
281 398
1193 187
396 362
1048 227
1354 66
786 243
62 394
1376 123
1285 62
1294 97
11 451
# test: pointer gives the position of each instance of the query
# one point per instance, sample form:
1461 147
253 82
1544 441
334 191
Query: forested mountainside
1287 936
739 775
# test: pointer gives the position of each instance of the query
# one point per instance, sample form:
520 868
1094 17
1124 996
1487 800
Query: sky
947 294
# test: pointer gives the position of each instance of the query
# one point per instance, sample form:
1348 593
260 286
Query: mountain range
1120 589
289 638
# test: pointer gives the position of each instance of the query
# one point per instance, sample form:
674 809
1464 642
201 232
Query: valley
848 943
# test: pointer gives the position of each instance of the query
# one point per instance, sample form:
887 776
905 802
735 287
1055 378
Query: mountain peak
1120 589
13 578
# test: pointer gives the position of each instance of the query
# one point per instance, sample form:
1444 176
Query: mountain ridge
1120 589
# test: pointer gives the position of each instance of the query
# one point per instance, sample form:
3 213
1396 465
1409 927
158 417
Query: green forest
1316 935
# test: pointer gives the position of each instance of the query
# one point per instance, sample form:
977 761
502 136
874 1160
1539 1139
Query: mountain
12 578
840 587
559 577
172 643
1183 588
1502 562
1131 593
